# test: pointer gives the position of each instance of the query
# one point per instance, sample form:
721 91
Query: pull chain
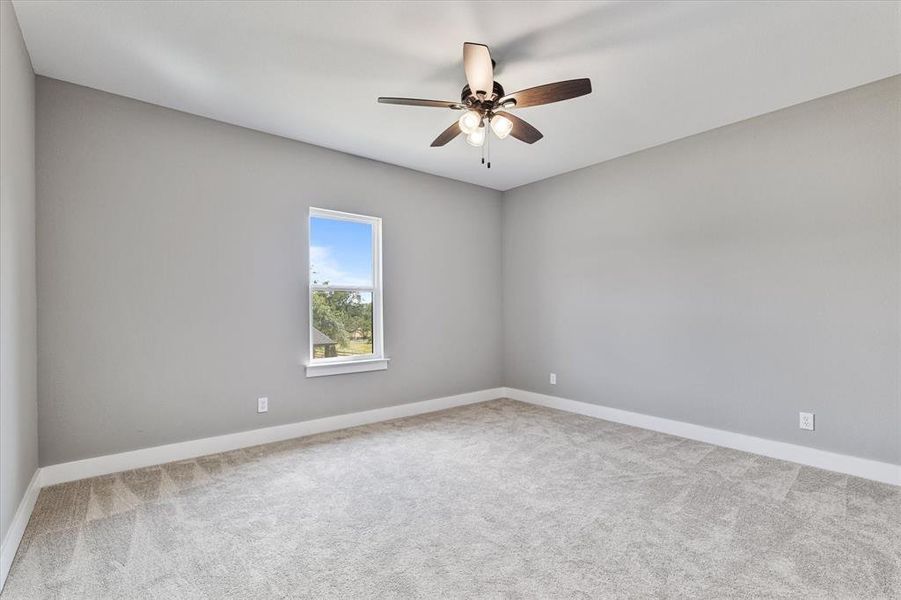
487 145
483 143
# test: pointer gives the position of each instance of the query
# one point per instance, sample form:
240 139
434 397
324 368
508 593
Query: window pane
342 323
340 252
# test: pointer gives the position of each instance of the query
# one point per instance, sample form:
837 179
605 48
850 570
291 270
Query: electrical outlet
262 405
806 421
553 379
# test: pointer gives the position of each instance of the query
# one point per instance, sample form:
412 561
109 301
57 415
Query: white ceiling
312 71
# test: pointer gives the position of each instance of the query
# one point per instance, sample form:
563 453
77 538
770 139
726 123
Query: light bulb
501 126
470 121
476 138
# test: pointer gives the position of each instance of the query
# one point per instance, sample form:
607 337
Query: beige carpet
495 500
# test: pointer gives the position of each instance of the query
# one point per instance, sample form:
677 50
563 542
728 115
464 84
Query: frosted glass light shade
501 126
476 138
470 121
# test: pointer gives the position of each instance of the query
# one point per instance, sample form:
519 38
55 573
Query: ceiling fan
486 105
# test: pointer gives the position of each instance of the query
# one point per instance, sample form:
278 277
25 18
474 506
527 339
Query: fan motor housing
497 92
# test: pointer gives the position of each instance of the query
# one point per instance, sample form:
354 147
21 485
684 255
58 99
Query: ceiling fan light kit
481 107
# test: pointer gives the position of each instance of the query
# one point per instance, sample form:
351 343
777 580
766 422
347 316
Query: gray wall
730 279
18 397
172 277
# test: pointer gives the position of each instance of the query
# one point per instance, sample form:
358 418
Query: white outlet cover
806 421
262 405
553 379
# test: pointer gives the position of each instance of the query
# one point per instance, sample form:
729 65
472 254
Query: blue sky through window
340 252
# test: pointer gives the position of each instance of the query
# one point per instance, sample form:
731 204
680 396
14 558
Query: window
345 293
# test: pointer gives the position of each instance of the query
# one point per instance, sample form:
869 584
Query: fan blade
550 92
447 135
478 67
418 102
522 130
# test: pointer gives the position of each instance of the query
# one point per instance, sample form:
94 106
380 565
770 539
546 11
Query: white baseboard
146 457
17 527
103 465
831 461
113 463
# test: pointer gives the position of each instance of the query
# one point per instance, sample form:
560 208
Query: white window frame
318 367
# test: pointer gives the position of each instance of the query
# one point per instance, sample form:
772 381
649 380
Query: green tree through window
346 318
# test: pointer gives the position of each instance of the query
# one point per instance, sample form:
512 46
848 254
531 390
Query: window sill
351 366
